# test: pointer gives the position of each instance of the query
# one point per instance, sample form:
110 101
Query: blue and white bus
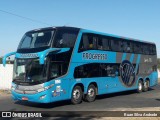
60 63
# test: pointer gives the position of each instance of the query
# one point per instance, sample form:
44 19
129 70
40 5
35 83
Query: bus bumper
42 97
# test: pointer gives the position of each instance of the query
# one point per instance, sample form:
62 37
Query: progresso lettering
29 55
94 56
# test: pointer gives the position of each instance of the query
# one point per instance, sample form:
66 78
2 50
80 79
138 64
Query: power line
26 18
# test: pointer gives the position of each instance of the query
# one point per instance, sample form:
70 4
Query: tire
140 86
91 93
77 95
146 86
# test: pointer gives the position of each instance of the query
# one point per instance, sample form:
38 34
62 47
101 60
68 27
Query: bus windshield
36 39
65 38
29 70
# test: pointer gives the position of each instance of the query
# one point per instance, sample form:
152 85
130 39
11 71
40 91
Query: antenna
26 18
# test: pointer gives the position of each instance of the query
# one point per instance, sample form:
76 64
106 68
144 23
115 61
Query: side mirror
43 54
6 56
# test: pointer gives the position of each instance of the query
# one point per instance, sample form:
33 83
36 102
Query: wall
158 73
6 74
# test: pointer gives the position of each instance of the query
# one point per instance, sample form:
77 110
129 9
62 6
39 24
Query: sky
139 19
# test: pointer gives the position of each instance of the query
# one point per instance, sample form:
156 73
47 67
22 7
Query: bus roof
91 31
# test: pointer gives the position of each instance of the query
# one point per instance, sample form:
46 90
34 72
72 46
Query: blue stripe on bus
131 58
124 56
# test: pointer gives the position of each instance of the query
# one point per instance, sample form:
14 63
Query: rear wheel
146 86
77 95
140 86
91 93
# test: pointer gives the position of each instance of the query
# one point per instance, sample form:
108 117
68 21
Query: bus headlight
45 88
42 97
13 87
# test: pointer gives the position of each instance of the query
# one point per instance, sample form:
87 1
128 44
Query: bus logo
127 73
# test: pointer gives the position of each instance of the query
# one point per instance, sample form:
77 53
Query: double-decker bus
60 63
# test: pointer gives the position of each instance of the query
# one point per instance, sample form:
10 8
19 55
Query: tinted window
65 38
116 45
103 43
57 69
88 42
109 69
99 42
87 71
96 70
26 43
154 49
36 39
127 46
138 48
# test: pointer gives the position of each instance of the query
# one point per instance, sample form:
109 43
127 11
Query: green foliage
8 61
0 60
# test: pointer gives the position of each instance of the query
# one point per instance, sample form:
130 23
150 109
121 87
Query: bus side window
150 49
85 42
87 71
88 42
154 49
99 44
103 68
145 49
68 39
94 42
126 46
54 71
116 45
103 43
137 48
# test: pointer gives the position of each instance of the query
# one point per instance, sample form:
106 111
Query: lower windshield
29 70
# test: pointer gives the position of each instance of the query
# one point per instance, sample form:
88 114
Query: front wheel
77 95
146 86
91 93
140 87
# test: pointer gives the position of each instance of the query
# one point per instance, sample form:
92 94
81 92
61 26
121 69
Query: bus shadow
110 95
44 105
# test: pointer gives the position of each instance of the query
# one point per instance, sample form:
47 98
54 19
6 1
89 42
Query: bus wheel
77 95
91 93
146 86
140 86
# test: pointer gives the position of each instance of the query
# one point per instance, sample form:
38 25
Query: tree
0 60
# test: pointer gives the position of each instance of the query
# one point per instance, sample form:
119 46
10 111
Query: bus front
41 63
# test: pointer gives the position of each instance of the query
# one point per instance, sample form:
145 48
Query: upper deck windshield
36 39
57 38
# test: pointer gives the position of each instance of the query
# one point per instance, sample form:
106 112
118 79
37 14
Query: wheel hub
91 92
140 86
76 94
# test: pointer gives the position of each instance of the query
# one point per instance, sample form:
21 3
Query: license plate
24 98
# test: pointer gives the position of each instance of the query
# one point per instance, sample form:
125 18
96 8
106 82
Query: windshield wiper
17 80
